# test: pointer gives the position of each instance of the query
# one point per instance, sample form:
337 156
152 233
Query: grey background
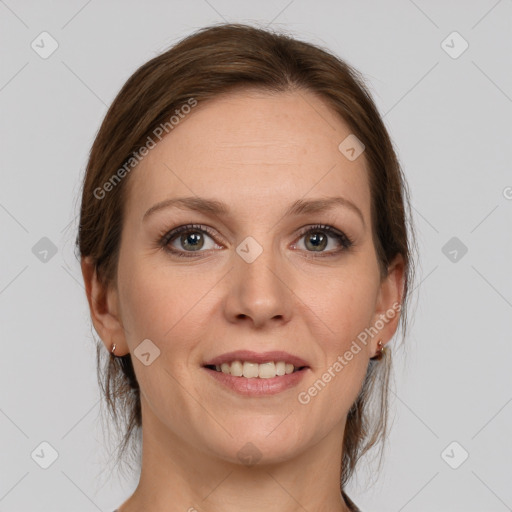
450 121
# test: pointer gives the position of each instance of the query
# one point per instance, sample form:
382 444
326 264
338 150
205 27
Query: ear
104 308
389 301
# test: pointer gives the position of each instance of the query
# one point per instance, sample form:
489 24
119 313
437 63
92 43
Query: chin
254 445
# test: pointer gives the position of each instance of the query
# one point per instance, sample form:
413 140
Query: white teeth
253 370
237 369
267 370
250 370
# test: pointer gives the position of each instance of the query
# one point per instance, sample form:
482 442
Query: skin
257 152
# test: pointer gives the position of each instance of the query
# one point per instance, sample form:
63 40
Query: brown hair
210 62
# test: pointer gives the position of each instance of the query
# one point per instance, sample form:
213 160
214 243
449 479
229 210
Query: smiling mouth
252 370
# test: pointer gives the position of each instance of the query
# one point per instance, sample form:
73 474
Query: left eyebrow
214 207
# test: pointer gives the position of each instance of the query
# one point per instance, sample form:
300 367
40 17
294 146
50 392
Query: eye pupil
320 240
197 239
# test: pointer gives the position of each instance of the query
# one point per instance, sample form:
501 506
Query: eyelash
345 241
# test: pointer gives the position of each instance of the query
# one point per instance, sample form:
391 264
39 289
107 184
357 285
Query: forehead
252 146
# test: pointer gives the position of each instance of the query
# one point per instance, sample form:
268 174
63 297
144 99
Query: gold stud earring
380 353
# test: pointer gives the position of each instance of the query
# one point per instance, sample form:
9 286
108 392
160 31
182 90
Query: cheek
163 304
345 303
145 308
346 306
344 361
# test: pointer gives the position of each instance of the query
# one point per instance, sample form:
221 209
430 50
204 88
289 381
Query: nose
260 291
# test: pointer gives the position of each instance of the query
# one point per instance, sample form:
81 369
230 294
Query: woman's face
256 280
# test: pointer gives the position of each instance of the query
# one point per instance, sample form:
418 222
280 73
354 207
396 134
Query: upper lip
257 357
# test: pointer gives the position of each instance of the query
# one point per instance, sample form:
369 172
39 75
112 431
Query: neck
175 472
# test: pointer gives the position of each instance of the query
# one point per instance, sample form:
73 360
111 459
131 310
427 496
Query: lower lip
256 386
